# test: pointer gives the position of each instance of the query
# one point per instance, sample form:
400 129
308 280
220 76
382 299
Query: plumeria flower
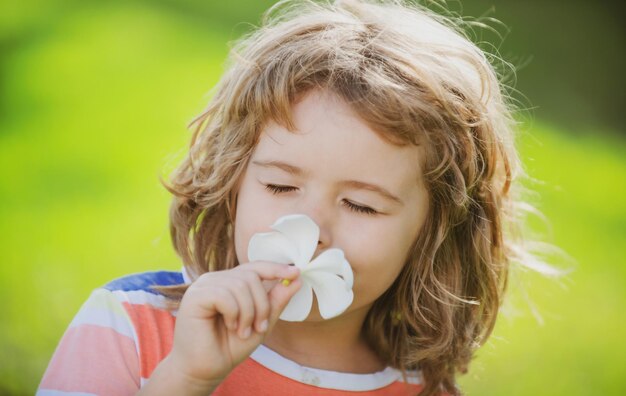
294 241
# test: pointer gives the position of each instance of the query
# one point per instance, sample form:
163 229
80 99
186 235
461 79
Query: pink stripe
93 359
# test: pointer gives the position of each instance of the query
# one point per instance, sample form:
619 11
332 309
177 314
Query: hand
224 316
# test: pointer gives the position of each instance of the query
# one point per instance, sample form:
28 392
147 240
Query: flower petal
272 246
333 261
333 297
302 231
300 305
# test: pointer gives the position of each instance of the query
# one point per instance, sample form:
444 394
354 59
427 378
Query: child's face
334 169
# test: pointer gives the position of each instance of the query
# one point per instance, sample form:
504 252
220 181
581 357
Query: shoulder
120 303
121 331
147 313
142 303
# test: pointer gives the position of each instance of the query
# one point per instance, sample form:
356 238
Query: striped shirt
124 330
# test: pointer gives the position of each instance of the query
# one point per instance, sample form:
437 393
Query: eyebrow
296 171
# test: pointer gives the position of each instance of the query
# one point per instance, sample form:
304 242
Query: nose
324 241
322 215
325 238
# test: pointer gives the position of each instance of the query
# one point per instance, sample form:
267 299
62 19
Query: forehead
332 141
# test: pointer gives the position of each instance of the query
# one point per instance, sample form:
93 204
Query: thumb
279 297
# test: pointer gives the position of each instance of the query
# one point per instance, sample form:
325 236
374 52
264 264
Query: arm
222 318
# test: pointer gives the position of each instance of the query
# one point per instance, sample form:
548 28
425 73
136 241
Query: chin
314 315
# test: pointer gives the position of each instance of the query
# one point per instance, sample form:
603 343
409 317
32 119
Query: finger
269 284
219 301
261 303
241 290
279 297
271 271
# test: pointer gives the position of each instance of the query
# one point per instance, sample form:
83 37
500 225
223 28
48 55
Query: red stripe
155 332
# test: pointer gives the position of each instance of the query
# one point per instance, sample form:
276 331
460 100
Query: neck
335 344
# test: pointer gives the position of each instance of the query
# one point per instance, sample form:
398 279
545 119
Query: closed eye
359 209
278 189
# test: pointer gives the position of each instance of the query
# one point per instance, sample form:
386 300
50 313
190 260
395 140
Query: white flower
329 275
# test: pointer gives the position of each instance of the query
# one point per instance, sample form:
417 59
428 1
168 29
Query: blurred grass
94 107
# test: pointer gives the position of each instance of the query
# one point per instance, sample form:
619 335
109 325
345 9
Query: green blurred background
94 102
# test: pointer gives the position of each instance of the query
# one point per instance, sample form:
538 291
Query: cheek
247 223
378 256
241 242
244 220
255 212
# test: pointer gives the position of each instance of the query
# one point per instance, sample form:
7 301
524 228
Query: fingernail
246 333
263 326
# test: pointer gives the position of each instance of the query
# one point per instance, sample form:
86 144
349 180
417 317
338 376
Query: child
388 128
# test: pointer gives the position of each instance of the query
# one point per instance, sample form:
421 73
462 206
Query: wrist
189 383
168 379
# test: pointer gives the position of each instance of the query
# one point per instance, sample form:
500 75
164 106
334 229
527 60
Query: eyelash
277 189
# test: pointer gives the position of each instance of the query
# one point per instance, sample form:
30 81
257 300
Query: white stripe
413 377
46 392
325 378
105 318
186 275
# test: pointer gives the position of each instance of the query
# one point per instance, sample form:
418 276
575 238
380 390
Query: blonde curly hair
416 78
